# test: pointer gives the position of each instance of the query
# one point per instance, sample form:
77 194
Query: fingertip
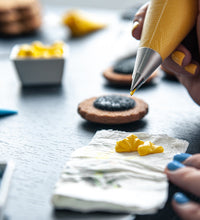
184 207
136 30
178 57
174 165
193 161
191 68
181 56
181 157
138 21
180 198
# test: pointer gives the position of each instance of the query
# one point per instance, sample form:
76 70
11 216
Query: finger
189 70
191 81
188 75
188 159
177 61
139 21
187 178
193 161
186 209
182 157
181 56
185 69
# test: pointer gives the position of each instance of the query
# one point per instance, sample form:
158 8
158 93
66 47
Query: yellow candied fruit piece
25 51
79 24
149 148
36 54
58 52
58 44
129 144
46 54
38 50
37 44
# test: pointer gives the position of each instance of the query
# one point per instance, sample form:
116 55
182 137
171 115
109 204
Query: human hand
184 172
184 62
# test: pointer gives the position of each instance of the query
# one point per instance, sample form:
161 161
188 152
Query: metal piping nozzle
147 61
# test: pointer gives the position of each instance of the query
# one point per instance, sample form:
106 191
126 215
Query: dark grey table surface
47 128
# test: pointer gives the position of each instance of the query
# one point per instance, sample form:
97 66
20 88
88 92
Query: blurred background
111 4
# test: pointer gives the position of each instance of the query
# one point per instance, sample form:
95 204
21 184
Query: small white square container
39 71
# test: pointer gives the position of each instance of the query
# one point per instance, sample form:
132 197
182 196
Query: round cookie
19 16
19 13
121 72
90 112
22 27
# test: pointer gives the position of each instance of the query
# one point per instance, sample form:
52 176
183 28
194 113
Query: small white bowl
39 71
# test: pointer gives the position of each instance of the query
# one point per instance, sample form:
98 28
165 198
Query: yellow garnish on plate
80 24
38 50
132 143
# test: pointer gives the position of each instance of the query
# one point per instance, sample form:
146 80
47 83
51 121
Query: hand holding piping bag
182 56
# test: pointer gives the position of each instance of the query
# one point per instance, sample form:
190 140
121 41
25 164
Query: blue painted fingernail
180 198
181 157
174 165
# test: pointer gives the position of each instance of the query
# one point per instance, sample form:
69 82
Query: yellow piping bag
166 24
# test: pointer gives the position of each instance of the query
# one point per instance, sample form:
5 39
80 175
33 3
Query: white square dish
39 71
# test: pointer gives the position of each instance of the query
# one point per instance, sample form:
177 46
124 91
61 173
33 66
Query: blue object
174 165
181 157
180 198
4 112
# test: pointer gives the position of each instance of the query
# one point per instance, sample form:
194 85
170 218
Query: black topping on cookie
124 66
114 103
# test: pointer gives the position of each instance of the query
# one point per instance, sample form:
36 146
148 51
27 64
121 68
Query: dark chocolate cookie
124 66
121 72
